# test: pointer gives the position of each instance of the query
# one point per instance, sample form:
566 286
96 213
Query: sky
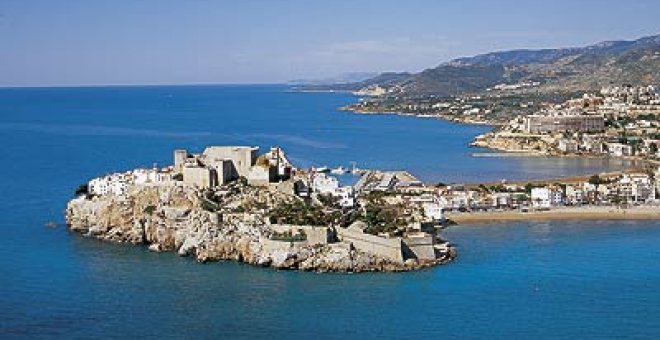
97 42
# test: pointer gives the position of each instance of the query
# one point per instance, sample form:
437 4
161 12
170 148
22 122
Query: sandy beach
579 213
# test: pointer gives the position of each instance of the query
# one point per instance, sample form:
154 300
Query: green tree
82 189
529 187
595 180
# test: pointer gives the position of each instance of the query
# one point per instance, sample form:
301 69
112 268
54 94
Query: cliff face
171 218
513 143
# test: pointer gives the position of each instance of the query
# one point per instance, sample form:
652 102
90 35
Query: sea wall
419 247
314 234
389 248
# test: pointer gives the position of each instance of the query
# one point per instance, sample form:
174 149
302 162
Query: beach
557 214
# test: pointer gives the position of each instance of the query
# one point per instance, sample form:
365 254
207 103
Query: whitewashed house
546 197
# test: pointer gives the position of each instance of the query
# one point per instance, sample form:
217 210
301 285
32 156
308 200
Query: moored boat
338 171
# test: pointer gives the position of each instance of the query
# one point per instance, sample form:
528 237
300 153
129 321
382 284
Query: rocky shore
173 218
522 144
446 117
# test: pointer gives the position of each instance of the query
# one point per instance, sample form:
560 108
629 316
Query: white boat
338 171
355 170
322 169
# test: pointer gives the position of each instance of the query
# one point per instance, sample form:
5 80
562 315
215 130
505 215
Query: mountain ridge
573 68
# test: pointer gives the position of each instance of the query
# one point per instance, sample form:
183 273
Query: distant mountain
581 68
351 77
451 79
386 79
545 55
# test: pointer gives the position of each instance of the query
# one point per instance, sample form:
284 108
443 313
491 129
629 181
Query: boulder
156 247
188 246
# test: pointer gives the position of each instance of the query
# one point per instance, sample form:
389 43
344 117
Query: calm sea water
525 280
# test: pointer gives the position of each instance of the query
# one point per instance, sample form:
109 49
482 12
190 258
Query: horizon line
138 85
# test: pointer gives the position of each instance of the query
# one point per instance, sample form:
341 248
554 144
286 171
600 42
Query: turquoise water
524 280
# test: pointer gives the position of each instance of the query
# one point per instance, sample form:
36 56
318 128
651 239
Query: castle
218 165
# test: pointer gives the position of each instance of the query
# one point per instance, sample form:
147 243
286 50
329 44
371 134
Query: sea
530 280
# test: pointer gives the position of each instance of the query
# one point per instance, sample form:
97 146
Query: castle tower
180 156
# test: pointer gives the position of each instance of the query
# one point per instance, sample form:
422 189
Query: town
284 211
273 170
617 122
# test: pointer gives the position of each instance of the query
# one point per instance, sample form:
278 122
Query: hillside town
502 103
618 122
495 106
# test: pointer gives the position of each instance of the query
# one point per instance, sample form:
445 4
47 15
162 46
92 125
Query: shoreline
499 150
503 152
348 108
476 143
295 90
591 213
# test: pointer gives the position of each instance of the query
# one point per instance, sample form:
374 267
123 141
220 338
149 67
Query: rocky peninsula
213 206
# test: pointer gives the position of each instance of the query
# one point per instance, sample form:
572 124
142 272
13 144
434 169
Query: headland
233 203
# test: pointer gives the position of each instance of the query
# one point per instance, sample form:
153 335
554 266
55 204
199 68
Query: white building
118 183
567 146
329 185
501 199
115 184
433 210
546 197
143 176
619 150
460 199
606 191
324 184
636 188
541 198
575 195
346 196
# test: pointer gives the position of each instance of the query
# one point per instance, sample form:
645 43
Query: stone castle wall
419 247
389 248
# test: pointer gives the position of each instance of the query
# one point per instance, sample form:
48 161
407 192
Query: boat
322 169
338 171
355 170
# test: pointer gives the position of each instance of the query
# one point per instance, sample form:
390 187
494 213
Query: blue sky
94 42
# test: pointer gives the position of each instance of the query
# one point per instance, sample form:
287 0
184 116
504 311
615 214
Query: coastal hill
386 79
580 68
346 78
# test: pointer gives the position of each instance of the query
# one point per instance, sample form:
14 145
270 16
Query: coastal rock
283 259
171 218
188 246
155 247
